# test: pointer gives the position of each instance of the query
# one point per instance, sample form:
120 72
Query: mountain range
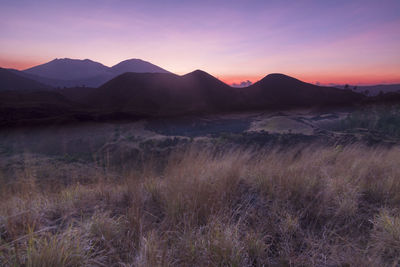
67 72
137 89
24 100
198 91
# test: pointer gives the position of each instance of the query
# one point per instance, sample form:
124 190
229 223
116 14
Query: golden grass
312 207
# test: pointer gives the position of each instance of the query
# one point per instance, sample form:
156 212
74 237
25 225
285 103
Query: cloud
242 84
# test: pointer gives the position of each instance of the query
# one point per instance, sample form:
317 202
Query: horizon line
230 79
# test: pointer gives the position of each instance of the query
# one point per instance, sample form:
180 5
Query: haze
354 42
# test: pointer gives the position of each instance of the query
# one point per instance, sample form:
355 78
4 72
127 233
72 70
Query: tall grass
311 207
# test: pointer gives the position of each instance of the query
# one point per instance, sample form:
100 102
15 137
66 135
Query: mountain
137 95
12 81
162 93
54 83
69 69
136 65
198 91
74 72
67 72
281 91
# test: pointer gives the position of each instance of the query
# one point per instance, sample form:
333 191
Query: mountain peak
203 76
197 73
278 76
66 59
68 72
136 65
68 69
132 60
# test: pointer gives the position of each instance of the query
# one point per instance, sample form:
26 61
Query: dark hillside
163 93
281 91
10 81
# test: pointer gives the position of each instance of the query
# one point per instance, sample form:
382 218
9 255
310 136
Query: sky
335 41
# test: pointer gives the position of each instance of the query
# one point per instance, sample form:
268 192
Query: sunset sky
342 41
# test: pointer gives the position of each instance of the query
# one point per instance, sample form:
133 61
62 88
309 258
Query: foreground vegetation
383 120
336 206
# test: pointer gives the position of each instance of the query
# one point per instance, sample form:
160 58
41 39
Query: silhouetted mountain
69 69
162 93
281 91
165 94
216 94
134 95
12 81
136 65
74 72
70 73
54 83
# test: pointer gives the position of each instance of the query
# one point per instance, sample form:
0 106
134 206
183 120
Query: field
295 188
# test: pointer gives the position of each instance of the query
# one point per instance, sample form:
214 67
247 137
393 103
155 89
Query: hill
198 91
136 65
10 81
165 94
282 91
162 93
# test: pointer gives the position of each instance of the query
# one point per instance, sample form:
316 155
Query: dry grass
314 207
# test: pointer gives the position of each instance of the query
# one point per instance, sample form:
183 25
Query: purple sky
324 41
